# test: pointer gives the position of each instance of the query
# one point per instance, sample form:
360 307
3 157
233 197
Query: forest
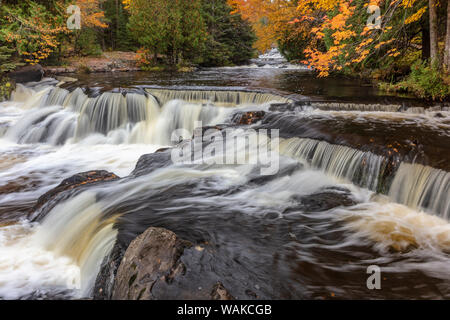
401 45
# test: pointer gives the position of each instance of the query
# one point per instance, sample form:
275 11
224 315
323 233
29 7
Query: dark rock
162 150
150 162
220 293
151 258
27 74
157 266
248 118
104 283
80 179
326 200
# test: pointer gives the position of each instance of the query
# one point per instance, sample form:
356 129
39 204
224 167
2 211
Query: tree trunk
117 24
433 31
425 41
447 40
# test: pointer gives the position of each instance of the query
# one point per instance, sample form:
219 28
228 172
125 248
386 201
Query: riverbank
116 61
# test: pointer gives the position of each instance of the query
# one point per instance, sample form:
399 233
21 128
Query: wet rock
151 258
27 74
156 266
66 79
326 200
150 162
104 283
80 179
248 118
220 293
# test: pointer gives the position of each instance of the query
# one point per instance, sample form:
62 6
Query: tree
230 38
117 35
174 28
31 29
270 19
434 53
447 41
92 19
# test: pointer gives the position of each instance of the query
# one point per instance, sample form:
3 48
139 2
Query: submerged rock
152 268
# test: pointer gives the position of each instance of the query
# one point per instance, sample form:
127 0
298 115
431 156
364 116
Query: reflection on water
301 82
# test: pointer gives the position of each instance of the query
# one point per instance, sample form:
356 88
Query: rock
220 293
104 283
151 258
80 179
26 74
150 162
66 79
326 200
248 118
154 268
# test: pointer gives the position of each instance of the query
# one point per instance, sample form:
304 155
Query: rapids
385 166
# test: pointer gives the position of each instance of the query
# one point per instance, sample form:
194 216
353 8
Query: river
363 179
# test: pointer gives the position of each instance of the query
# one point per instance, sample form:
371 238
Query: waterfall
362 168
422 187
222 98
371 107
415 185
77 229
58 116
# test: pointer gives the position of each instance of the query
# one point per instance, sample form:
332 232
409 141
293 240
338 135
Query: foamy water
64 251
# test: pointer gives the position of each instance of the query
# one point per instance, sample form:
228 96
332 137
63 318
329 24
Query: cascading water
282 231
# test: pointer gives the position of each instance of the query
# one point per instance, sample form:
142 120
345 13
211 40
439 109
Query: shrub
425 81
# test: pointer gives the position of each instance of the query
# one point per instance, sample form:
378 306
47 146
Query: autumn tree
270 20
31 29
92 20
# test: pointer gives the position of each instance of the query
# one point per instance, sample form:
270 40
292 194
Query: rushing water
385 169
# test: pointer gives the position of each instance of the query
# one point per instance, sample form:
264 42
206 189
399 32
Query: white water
111 132
272 59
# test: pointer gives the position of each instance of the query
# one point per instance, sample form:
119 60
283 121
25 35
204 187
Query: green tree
174 29
117 36
230 38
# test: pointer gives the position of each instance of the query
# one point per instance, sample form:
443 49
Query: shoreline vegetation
400 46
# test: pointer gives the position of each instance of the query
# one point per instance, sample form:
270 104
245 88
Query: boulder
153 269
150 162
26 74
